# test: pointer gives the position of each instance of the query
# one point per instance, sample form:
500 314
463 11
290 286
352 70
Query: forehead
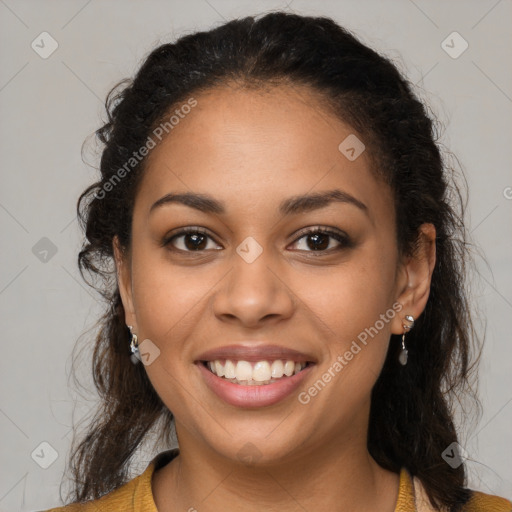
251 147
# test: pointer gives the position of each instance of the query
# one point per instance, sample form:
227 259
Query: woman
288 277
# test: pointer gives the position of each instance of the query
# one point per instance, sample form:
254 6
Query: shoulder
121 498
481 502
135 495
478 502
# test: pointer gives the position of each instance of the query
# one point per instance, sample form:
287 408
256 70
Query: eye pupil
319 237
197 240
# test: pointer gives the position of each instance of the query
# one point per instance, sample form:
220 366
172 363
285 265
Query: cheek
168 302
167 299
353 296
353 308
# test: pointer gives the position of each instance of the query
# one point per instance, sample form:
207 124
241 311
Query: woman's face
252 289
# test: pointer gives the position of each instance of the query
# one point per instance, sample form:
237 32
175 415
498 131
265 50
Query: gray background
49 106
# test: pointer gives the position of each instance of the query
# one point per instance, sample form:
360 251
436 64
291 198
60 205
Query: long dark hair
411 418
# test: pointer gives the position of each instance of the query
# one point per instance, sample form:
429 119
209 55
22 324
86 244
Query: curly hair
412 414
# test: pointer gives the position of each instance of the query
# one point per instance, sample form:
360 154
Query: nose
253 294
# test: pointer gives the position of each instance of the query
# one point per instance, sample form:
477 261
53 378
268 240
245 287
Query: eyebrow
291 206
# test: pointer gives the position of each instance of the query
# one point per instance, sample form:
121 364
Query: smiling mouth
248 373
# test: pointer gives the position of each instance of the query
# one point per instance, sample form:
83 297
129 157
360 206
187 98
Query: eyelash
343 239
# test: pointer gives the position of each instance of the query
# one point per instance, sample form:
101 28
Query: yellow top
136 495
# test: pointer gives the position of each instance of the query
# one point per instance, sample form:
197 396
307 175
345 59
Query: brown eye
318 240
189 240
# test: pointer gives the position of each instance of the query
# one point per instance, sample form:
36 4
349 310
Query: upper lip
255 353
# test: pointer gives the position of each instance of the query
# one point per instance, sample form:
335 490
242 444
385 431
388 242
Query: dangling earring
402 357
134 347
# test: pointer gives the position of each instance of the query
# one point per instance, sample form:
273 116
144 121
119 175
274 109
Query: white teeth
253 374
277 369
261 371
289 368
243 370
219 369
229 370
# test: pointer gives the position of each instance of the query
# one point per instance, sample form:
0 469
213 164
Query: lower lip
253 396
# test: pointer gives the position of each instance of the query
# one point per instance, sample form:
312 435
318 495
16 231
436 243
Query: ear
414 277
124 281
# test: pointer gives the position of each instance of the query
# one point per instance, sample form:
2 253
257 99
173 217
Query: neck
334 476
